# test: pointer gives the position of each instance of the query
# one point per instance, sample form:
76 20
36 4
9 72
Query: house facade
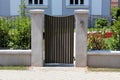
57 7
9 7
118 3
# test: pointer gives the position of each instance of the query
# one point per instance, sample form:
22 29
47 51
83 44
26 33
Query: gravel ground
57 73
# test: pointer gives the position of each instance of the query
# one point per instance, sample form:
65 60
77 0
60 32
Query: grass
13 67
89 68
104 69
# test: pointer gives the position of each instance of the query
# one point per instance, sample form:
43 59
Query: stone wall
15 57
105 59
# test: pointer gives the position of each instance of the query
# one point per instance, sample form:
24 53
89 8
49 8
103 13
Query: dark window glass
35 1
76 1
40 1
82 2
71 1
30 2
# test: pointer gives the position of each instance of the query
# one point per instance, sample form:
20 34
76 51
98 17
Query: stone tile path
57 73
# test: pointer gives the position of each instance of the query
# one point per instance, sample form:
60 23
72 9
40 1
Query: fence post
37 17
81 18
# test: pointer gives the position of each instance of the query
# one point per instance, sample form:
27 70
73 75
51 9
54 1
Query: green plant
96 41
4 32
22 9
101 23
20 33
116 37
109 42
13 67
113 12
103 69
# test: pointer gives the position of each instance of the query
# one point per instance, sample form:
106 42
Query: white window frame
33 5
33 2
79 2
79 5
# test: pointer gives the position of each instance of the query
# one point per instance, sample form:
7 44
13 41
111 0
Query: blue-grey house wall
10 7
97 8
106 7
90 8
4 7
14 7
69 9
47 8
66 9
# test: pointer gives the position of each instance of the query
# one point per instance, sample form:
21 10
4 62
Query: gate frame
80 50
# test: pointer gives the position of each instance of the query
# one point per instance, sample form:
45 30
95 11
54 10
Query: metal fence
59 38
15 32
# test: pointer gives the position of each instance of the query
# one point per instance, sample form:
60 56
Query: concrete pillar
81 18
37 17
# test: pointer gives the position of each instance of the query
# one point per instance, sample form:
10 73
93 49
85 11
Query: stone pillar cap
81 11
36 11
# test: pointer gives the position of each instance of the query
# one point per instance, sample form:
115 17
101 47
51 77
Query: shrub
20 33
101 23
114 12
4 32
116 34
15 32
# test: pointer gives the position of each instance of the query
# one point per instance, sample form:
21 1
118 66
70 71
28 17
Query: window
40 1
76 1
35 2
71 1
30 1
81 1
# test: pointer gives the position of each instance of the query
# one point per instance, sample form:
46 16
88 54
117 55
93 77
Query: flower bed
99 34
100 40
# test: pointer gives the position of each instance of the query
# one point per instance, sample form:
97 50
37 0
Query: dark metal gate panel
59 39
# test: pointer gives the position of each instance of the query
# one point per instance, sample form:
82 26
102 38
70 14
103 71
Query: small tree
101 22
22 8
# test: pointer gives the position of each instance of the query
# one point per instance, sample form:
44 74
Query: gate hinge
73 58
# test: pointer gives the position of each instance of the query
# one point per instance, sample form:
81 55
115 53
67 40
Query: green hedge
15 32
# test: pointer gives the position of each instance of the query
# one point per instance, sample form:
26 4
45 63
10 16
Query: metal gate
59 39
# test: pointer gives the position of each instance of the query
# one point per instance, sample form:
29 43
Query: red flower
98 34
108 34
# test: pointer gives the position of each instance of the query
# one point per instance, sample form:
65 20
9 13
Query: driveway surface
57 73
